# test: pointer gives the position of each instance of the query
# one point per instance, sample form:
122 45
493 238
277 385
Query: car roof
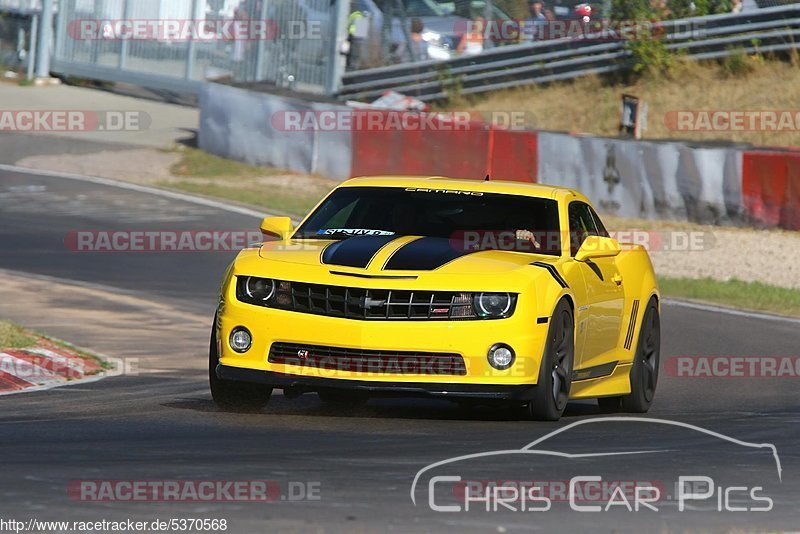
443 182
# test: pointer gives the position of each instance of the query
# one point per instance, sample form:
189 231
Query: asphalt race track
362 461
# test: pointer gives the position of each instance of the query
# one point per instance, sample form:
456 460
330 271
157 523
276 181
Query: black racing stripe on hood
355 251
425 254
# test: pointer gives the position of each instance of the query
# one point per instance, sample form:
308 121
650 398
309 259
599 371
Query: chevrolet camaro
475 291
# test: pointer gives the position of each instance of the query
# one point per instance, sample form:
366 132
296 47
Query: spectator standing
537 22
471 42
418 46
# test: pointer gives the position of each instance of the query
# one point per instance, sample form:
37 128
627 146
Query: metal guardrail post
61 27
34 35
45 37
336 60
123 46
191 51
262 45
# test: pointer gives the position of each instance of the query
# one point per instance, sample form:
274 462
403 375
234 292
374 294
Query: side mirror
280 227
595 246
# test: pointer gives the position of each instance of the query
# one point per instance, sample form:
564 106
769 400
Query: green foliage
667 9
650 56
15 337
738 64
452 86
631 10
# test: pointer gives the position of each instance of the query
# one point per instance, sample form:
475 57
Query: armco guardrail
765 30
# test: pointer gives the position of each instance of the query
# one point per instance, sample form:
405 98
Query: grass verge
196 163
736 293
277 191
591 104
15 337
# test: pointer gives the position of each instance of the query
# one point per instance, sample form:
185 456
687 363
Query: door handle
617 278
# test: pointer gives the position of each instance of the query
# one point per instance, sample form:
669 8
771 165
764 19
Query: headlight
241 339
494 305
255 290
501 356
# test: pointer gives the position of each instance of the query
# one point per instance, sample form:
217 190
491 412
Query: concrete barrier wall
461 152
646 180
240 125
643 179
467 151
771 189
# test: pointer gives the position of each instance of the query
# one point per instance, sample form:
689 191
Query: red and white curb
44 367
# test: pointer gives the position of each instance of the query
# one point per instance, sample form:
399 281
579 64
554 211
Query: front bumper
304 384
471 339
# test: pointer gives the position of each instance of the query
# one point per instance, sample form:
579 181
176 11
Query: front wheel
231 395
555 371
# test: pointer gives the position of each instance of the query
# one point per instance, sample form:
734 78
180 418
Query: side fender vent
632 325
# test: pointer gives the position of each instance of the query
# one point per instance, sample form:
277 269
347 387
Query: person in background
537 22
471 42
418 44
418 50
355 40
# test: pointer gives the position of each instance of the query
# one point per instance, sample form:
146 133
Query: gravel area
680 249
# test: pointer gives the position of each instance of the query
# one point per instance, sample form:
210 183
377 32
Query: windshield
483 218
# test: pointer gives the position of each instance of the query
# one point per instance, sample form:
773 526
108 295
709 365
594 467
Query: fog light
501 356
240 339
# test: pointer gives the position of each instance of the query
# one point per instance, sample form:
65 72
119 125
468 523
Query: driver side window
581 225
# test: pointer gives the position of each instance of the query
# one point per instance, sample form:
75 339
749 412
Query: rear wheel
555 371
231 395
644 373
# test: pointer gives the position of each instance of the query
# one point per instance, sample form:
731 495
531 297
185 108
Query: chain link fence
18 29
305 44
175 44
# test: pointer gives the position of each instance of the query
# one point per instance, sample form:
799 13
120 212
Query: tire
644 373
555 372
346 398
228 394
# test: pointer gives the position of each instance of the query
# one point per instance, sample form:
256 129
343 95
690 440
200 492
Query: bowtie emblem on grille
369 302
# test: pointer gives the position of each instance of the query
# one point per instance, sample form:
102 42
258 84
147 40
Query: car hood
384 256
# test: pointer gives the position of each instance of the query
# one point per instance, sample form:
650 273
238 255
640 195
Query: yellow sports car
475 291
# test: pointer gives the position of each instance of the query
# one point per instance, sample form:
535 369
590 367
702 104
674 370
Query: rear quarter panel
639 284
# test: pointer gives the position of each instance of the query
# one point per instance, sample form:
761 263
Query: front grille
367 361
386 304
